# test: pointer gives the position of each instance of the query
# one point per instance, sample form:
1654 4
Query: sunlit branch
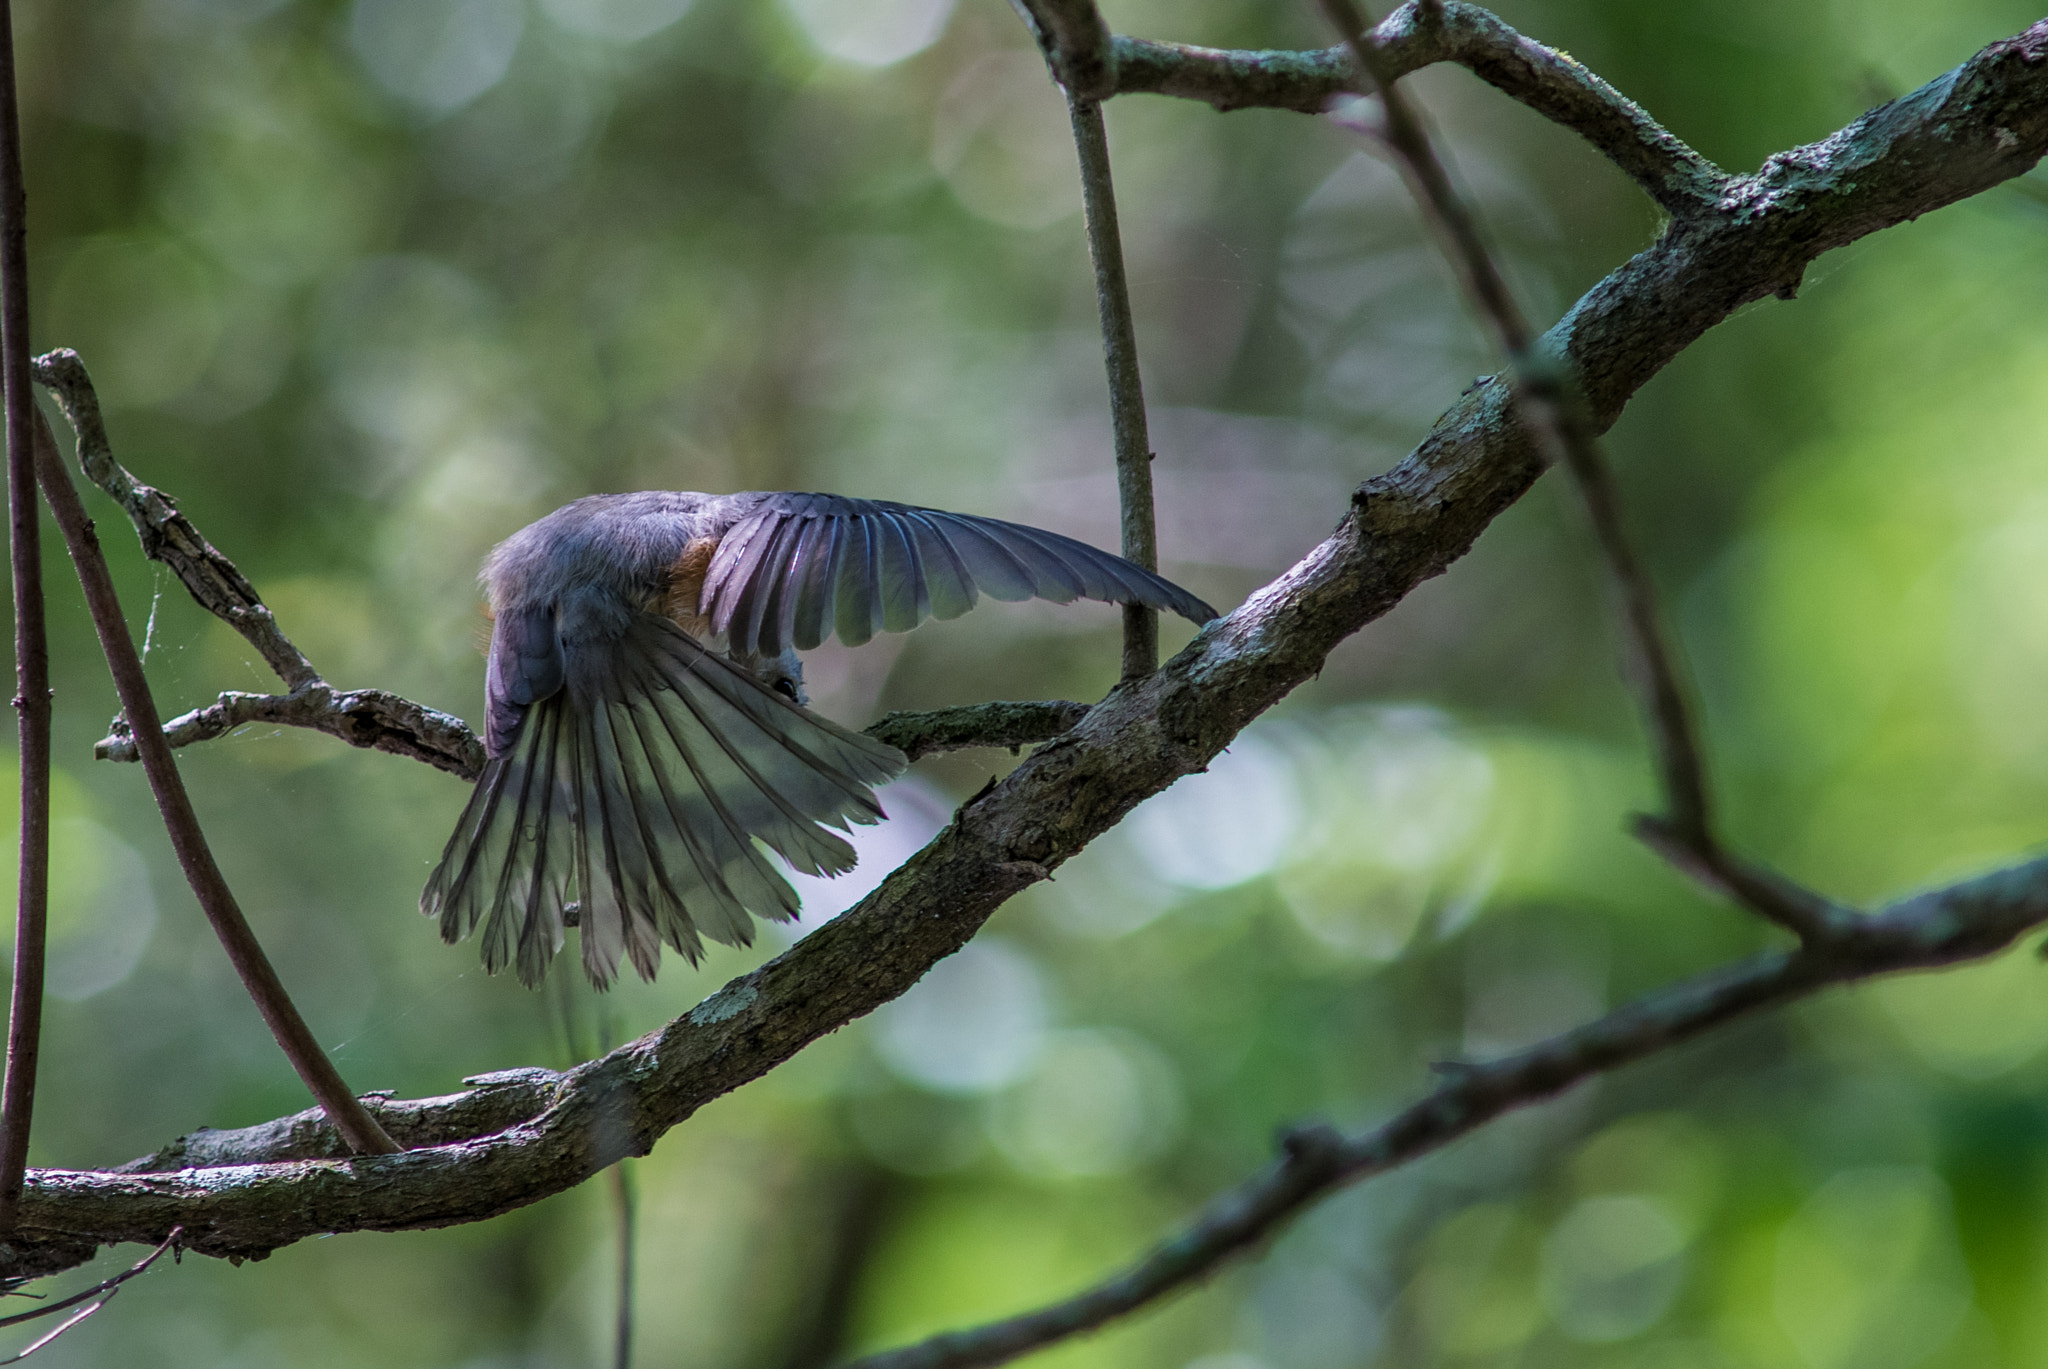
1553 84
372 718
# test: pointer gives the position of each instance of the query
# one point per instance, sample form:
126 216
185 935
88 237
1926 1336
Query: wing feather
805 564
643 795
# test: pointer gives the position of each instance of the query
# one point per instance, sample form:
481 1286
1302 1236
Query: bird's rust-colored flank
680 601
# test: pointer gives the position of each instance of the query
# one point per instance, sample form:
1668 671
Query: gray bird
645 718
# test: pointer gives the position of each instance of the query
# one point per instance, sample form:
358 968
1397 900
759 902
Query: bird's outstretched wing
803 566
632 794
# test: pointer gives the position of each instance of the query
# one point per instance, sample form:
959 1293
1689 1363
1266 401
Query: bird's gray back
607 548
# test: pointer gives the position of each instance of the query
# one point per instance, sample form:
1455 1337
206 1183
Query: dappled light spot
1868 1273
871 33
1612 1267
976 1022
620 21
1227 825
436 55
1097 1103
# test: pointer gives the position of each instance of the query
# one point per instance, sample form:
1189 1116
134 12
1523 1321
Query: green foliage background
368 285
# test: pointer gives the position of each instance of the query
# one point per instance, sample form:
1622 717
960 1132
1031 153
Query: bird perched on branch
645 716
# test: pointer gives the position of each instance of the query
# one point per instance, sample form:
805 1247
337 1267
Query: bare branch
1965 921
188 840
1679 179
1126 391
1012 725
167 535
31 654
372 718
1979 126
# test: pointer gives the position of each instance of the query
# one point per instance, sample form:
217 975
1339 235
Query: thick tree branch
1554 85
1980 125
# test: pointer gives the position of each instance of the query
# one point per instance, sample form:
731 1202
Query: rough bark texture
1974 128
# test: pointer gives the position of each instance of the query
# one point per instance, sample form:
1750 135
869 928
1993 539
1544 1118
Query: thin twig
372 718
1682 182
107 1285
964 726
625 1210
188 840
167 535
1557 421
31 654
1126 390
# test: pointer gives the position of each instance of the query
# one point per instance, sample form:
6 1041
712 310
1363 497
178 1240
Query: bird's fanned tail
632 795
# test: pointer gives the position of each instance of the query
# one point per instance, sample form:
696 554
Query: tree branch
167 535
1679 179
372 718
1012 725
1965 921
188 839
1980 125
1126 391
31 654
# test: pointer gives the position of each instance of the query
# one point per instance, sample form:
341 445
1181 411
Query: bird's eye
787 690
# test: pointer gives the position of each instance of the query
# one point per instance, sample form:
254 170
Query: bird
645 730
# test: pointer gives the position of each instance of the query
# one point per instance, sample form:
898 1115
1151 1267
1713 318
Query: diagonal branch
1977 918
168 535
1556 419
188 839
1680 180
1977 127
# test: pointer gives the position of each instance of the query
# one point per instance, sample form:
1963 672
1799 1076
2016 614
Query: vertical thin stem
357 1127
1126 392
31 651
625 1205
625 1202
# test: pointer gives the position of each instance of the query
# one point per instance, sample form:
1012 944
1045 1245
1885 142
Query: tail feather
636 796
